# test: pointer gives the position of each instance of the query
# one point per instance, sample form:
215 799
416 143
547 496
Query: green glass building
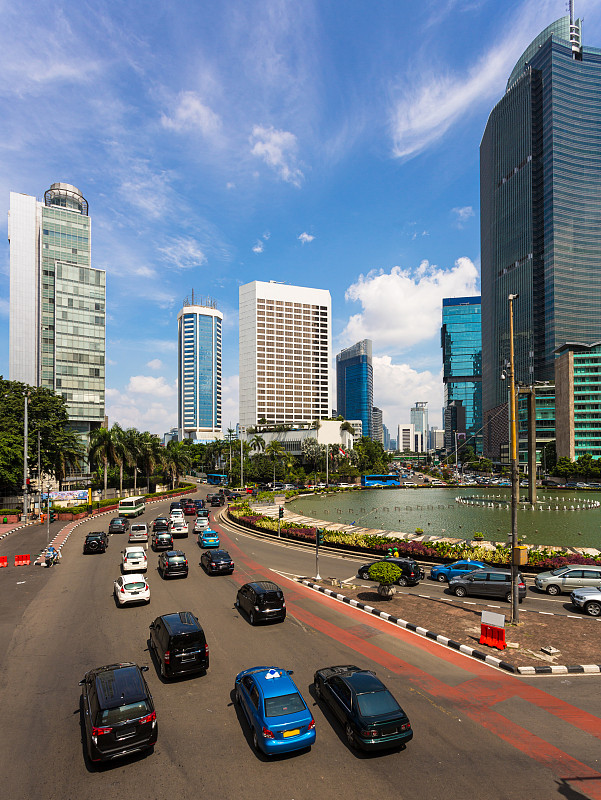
578 401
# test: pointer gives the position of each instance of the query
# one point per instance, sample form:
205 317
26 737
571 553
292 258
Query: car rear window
134 586
372 704
283 705
176 559
135 554
269 597
131 711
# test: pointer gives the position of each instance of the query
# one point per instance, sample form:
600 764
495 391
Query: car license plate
134 592
123 734
295 732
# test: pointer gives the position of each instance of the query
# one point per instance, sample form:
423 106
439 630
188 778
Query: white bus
132 506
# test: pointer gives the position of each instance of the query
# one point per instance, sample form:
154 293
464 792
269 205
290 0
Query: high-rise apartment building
461 341
355 384
285 353
406 438
199 370
377 432
57 302
540 184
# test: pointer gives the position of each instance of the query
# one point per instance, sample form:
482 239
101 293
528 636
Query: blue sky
330 144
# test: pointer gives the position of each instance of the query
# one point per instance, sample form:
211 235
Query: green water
437 512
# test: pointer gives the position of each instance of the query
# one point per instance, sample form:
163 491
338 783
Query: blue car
458 569
279 718
208 538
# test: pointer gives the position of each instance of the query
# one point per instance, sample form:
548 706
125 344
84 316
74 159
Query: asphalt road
478 732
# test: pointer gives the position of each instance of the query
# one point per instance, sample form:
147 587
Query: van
138 532
179 644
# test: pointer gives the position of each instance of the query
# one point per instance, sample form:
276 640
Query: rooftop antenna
574 33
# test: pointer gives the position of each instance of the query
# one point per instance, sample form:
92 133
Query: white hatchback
133 559
177 515
138 532
178 527
131 589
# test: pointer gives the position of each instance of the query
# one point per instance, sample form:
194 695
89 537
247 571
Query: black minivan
179 644
262 600
118 711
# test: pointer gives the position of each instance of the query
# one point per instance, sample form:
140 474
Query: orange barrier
22 561
3 561
492 636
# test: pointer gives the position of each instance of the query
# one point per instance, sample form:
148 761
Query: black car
118 525
412 572
262 600
217 562
175 504
173 562
217 500
372 718
487 583
96 542
179 644
162 540
118 711
160 524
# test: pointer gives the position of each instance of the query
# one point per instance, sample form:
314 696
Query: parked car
274 708
208 538
487 583
133 559
96 542
179 644
162 540
160 524
568 577
118 711
173 562
587 600
372 718
118 525
412 572
179 529
217 562
444 572
261 600
138 532
131 589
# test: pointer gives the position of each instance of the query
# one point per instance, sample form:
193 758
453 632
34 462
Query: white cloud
278 150
156 363
305 238
258 248
153 416
183 253
191 114
462 214
397 387
148 384
401 307
4 307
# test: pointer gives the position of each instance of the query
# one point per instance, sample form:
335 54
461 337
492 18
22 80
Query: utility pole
25 464
47 515
327 465
242 430
515 487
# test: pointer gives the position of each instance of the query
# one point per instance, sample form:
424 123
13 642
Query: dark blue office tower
355 384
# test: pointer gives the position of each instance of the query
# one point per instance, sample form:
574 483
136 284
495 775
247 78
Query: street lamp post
515 487
25 463
48 515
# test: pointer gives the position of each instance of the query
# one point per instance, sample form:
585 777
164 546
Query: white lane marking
20 582
488 605
469 603
547 613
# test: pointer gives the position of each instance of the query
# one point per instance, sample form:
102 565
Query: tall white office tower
285 353
419 420
57 302
199 370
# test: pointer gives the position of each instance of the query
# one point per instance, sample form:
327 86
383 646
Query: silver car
138 532
589 600
568 577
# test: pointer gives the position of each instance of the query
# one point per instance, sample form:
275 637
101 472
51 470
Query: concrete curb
577 669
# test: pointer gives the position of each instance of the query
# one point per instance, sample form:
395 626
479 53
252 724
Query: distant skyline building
418 416
406 438
461 342
540 183
199 347
285 353
385 437
57 302
377 431
355 384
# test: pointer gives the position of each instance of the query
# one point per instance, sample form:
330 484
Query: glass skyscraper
540 189
57 302
461 341
355 385
199 370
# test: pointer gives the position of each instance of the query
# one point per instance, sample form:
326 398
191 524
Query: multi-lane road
478 732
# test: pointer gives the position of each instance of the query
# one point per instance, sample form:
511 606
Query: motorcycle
52 558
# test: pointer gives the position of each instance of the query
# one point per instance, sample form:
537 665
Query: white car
133 559
178 527
200 524
138 532
177 515
131 589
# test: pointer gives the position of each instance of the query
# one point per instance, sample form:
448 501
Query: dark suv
162 540
118 711
412 572
96 542
262 600
173 562
160 524
118 525
179 644
487 583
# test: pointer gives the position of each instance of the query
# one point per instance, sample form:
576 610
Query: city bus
132 506
380 480
217 479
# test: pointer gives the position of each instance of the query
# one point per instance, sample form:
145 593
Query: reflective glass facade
461 341
355 385
578 405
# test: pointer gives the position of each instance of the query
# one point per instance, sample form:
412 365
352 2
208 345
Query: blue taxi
279 718
457 569
208 538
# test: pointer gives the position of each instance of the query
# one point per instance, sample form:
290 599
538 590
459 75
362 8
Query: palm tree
103 450
69 454
150 453
132 444
177 460
257 443
123 454
275 451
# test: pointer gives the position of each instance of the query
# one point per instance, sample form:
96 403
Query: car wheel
508 597
350 736
318 693
364 575
441 577
553 590
252 618
403 581
593 609
237 698
460 591
256 742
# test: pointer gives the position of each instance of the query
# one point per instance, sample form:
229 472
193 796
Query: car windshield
134 586
283 705
131 711
372 704
558 571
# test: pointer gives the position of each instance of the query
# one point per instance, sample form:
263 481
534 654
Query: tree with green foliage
371 456
177 460
104 450
276 453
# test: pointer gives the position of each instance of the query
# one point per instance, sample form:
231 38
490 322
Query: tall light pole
25 464
515 485
242 431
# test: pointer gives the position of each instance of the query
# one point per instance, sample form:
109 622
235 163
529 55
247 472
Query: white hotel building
285 353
